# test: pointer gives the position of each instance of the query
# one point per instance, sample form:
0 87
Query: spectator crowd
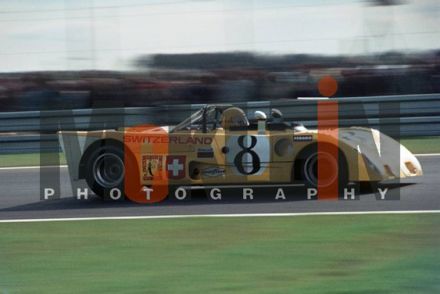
220 77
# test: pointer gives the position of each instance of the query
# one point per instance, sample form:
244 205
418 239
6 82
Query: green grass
30 159
422 145
313 254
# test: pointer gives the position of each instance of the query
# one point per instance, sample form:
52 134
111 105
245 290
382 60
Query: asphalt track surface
20 199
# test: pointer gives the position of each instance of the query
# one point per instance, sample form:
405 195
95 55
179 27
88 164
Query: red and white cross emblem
176 167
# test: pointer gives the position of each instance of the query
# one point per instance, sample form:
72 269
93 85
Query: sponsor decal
176 167
213 172
205 153
152 166
182 140
305 138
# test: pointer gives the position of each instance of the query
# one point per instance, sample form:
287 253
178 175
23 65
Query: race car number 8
238 161
248 153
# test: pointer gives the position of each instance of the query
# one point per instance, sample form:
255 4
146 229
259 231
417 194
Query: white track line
218 216
65 166
31 167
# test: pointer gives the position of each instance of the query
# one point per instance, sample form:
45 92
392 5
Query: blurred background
94 53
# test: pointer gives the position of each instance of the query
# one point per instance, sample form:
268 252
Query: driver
233 117
277 116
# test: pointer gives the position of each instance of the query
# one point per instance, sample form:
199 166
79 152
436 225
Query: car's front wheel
105 171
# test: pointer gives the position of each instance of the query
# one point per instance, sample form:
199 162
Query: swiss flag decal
176 167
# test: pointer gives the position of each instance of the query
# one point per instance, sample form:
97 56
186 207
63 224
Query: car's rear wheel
105 171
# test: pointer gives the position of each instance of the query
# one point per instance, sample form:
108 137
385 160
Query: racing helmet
233 117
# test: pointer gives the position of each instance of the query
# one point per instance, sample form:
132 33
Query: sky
110 34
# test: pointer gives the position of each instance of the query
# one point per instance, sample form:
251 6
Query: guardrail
405 116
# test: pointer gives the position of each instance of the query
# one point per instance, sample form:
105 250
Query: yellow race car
218 146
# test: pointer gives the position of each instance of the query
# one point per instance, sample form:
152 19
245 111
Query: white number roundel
249 154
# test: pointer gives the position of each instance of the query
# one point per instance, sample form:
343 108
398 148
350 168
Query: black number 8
238 161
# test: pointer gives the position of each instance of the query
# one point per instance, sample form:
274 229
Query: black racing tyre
105 171
337 166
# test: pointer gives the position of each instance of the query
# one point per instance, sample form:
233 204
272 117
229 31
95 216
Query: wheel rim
108 170
311 169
